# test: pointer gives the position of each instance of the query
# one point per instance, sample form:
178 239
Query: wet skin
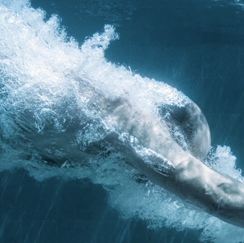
188 178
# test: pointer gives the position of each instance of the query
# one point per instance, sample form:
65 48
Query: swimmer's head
189 128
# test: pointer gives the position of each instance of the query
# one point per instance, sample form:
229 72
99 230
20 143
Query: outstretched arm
192 180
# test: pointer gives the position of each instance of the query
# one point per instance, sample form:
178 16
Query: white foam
43 75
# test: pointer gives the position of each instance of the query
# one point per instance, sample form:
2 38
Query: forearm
217 194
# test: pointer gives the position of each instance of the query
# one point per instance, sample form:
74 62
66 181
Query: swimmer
166 162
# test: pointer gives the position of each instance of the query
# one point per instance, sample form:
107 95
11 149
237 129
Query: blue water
193 45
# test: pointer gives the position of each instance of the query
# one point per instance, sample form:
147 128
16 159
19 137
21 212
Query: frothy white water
50 83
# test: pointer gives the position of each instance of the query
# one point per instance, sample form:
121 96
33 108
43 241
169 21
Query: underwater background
196 46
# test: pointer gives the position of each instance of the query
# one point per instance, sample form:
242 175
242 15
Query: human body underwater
67 108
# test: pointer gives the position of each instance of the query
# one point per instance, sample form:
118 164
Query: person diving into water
155 149
37 110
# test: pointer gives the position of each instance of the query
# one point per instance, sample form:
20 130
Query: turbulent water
53 86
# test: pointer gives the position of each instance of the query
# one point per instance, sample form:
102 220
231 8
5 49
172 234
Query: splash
53 87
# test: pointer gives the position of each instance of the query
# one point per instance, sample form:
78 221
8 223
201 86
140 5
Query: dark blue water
196 46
